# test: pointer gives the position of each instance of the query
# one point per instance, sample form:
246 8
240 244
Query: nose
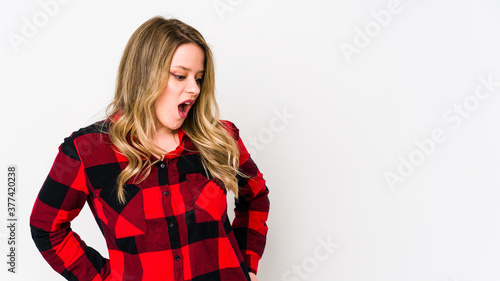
192 86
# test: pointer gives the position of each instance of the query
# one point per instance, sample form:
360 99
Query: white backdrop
375 124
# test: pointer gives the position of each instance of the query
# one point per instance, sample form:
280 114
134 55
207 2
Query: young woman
155 174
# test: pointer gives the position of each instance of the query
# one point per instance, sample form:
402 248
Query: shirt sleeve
61 198
251 208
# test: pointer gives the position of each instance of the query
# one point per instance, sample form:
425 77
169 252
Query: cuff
252 263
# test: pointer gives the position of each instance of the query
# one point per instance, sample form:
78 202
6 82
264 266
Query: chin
176 125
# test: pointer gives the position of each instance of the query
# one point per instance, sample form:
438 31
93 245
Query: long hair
142 76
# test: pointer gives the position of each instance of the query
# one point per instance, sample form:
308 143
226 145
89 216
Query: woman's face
183 87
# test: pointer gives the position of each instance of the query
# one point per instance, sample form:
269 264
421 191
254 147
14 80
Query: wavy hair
142 76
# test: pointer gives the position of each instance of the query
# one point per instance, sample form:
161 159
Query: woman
155 174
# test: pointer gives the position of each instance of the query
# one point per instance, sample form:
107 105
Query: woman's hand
253 277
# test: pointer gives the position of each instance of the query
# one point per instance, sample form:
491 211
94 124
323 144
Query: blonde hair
142 76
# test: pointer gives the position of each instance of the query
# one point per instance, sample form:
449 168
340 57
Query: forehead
189 56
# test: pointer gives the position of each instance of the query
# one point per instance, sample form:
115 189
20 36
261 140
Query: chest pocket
209 198
125 220
120 220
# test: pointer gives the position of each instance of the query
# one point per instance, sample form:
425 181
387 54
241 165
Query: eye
178 77
199 80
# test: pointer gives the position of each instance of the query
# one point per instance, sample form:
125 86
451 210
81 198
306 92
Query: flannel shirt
174 225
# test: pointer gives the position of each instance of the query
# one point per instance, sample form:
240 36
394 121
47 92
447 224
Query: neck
167 140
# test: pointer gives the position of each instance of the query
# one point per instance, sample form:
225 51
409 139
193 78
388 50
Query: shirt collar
180 148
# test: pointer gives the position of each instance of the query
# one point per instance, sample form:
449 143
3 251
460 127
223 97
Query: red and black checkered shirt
173 227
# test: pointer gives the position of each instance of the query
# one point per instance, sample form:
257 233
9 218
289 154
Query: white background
355 118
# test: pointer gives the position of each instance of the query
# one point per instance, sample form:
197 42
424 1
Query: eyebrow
187 69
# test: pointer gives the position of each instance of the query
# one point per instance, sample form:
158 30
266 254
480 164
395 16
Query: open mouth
184 108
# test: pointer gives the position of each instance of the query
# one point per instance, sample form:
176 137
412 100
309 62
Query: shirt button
177 257
162 165
171 224
165 193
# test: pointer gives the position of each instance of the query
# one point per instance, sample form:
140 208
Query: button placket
172 224
163 174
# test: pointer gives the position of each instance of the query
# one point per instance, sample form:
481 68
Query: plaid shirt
173 227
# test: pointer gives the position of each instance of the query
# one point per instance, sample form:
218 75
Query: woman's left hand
253 277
